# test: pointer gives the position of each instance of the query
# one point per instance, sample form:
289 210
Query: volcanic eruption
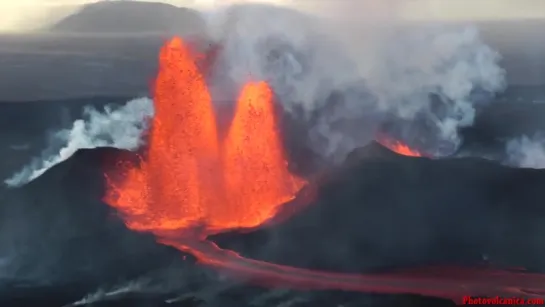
189 178
399 147
193 181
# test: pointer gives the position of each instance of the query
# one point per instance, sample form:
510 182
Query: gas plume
346 76
526 151
119 127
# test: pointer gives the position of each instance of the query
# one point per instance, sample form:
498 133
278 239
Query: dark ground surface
380 211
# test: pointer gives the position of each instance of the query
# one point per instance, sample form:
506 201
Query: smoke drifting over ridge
339 76
346 76
121 128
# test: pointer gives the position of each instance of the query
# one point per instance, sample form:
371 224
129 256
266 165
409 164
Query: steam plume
527 152
345 78
120 128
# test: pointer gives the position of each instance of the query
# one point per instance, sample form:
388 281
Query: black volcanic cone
382 210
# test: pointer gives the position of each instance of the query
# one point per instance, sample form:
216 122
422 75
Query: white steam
374 65
103 295
527 152
121 128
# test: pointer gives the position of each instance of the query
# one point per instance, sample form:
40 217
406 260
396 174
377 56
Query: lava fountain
190 184
189 179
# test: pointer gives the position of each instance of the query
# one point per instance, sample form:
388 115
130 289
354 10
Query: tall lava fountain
189 178
193 182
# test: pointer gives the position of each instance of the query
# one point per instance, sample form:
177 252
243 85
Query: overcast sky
20 13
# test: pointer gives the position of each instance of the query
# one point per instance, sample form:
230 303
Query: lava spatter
190 179
183 143
175 181
189 185
255 170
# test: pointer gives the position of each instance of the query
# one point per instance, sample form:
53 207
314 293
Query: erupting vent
191 184
189 178
398 147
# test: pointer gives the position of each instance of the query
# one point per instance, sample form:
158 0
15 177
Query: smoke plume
347 76
120 127
527 152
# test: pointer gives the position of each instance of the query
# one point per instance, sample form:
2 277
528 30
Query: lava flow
191 183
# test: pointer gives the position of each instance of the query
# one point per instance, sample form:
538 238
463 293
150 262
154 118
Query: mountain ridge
132 17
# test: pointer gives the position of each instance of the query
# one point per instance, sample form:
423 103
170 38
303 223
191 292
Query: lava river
193 182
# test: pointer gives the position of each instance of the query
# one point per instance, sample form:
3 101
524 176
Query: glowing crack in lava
191 184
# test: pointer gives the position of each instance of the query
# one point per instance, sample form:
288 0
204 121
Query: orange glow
190 184
188 179
255 171
399 147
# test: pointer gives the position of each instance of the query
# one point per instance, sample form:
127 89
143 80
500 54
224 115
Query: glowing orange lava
399 147
255 171
189 179
190 184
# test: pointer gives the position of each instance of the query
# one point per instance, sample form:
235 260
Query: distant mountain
131 17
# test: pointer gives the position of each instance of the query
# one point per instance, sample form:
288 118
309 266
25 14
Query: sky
27 13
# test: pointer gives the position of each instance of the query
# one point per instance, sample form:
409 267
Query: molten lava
191 184
255 172
188 179
399 147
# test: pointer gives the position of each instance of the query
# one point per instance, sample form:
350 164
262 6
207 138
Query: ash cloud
115 127
350 76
